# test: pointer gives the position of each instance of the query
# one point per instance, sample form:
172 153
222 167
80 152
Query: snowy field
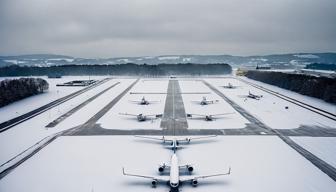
24 135
25 105
322 147
270 109
259 164
113 120
94 163
310 100
191 106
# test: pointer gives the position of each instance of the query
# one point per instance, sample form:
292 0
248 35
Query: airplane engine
194 182
190 168
161 169
154 182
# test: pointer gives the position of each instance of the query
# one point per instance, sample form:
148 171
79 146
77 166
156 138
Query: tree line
119 69
319 87
12 90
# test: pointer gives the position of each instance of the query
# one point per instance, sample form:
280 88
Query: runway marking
78 107
20 119
174 117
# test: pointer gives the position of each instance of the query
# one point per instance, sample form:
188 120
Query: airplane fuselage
141 117
208 118
174 180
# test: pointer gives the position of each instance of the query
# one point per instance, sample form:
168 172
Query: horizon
289 53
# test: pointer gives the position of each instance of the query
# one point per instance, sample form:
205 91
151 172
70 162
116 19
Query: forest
120 69
16 89
319 87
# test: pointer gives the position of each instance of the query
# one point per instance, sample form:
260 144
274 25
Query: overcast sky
113 28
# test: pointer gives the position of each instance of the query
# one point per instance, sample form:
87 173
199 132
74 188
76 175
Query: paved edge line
78 107
4 126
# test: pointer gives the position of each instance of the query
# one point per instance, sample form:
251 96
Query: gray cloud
109 28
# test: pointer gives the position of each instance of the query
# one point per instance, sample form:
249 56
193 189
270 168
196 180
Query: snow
307 56
189 100
169 58
113 120
271 109
94 163
124 60
322 147
26 134
306 99
62 59
30 103
14 61
186 59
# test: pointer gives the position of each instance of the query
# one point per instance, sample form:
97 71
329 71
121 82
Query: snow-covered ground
270 109
26 134
259 164
113 120
322 147
306 99
25 105
191 106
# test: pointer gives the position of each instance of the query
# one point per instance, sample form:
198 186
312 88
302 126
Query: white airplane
174 143
253 96
142 117
204 101
208 117
229 86
143 101
175 180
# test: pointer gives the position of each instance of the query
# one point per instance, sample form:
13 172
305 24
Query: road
78 107
20 119
174 120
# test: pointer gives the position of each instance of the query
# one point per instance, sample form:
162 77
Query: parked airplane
142 117
208 117
253 96
174 143
229 86
204 101
143 101
175 180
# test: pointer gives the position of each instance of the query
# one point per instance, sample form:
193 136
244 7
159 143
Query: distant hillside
279 61
321 66
123 69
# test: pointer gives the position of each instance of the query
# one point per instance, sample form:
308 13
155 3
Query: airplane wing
221 114
128 114
191 178
161 179
198 102
154 101
153 138
212 101
132 101
191 114
188 139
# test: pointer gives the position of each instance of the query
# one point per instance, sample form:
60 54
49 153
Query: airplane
175 142
208 117
175 180
204 101
229 86
253 96
141 117
143 101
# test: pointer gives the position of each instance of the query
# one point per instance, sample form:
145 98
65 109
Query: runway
174 120
15 121
73 110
